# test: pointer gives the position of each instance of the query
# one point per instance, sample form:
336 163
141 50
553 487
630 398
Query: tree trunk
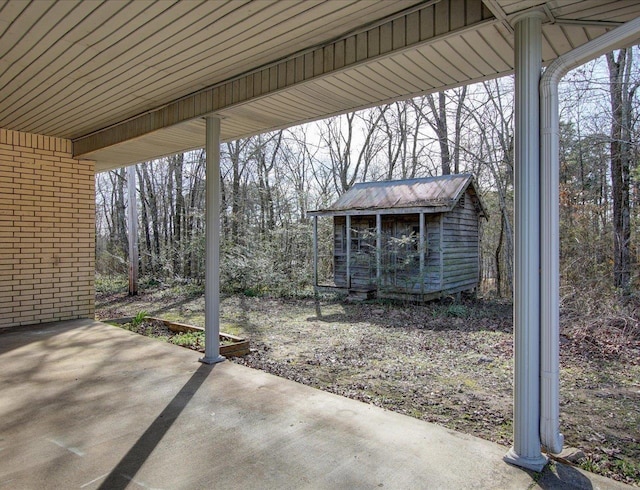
152 215
178 214
147 257
440 127
620 153
120 220
458 134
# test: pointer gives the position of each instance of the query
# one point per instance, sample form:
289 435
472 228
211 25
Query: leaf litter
444 362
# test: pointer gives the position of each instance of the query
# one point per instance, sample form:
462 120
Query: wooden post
315 251
379 249
133 231
441 251
348 225
422 251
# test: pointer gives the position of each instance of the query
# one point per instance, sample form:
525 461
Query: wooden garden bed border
238 347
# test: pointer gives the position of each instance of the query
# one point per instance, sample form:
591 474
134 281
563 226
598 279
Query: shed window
362 238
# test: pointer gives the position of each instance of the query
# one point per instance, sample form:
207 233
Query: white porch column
133 231
526 418
212 245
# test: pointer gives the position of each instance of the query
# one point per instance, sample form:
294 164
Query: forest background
270 181
388 354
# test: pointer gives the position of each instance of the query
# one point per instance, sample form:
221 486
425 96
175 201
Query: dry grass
445 362
603 324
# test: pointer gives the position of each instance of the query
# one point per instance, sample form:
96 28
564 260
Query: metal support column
526 450
212 245
133 231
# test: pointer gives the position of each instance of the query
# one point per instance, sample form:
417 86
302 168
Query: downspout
626 34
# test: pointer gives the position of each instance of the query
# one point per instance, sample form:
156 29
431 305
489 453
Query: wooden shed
412 239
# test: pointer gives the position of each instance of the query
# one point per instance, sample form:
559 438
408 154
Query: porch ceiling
126 81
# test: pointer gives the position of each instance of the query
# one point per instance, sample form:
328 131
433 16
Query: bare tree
394 126
493 148
238 162
266 151
622 92
349 160
297 159
449 149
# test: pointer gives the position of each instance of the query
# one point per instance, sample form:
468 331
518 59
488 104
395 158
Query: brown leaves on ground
444 362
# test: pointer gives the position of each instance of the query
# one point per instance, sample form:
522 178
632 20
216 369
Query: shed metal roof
427 195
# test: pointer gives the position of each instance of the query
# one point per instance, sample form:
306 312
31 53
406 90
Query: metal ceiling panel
68 68
72 68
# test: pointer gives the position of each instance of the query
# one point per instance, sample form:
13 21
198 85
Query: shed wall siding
47 230
407 278
443 261
363 259
461 251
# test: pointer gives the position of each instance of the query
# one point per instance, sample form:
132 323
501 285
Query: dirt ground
445 362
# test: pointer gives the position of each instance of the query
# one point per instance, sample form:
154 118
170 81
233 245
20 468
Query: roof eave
387 211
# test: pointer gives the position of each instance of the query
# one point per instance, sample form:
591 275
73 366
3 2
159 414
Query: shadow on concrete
558 476
20 336
125 471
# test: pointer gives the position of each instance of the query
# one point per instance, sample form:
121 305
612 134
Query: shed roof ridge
414 180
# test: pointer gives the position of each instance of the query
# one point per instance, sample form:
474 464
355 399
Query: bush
280 266
111 284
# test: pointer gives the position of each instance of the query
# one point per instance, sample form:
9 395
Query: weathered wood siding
363 252
460 252
401 268
432 279
339 252
451 260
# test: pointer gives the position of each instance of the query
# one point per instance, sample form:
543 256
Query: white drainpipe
624 35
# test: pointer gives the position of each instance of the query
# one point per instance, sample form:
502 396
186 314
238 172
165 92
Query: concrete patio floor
87 405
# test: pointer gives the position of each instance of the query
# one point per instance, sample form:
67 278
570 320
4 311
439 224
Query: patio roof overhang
131 82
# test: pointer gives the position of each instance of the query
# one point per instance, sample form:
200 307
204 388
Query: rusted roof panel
439 194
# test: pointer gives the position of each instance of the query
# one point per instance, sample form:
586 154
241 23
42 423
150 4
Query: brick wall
47 230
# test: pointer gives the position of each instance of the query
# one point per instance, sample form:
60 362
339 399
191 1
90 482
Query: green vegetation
193 340
451 311
138 319
110 284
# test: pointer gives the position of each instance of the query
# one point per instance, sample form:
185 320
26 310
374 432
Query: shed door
339 253
363 253
401 255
